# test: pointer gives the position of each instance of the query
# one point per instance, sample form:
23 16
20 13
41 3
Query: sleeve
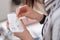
56 30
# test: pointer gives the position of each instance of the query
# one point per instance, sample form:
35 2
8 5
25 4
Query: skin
29 13
25 35
35 7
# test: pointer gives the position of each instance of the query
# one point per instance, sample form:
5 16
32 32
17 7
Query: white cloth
51 29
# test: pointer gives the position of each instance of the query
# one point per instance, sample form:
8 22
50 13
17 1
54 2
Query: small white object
15 24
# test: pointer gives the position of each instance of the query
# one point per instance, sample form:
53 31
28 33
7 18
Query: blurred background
8 6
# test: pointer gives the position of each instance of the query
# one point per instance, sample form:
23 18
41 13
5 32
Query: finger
29 16
7 24
18 12
21 10
17 34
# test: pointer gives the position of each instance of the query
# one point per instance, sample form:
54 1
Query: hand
28 21
25 35
28 12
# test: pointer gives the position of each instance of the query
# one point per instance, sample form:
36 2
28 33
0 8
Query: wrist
43 19
26 36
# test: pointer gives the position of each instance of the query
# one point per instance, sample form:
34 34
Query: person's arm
29 12
25 35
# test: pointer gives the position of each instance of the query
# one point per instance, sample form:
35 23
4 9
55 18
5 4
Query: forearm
39 17
41 12
28 37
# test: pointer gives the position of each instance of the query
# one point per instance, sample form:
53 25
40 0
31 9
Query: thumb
17 34
21 11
